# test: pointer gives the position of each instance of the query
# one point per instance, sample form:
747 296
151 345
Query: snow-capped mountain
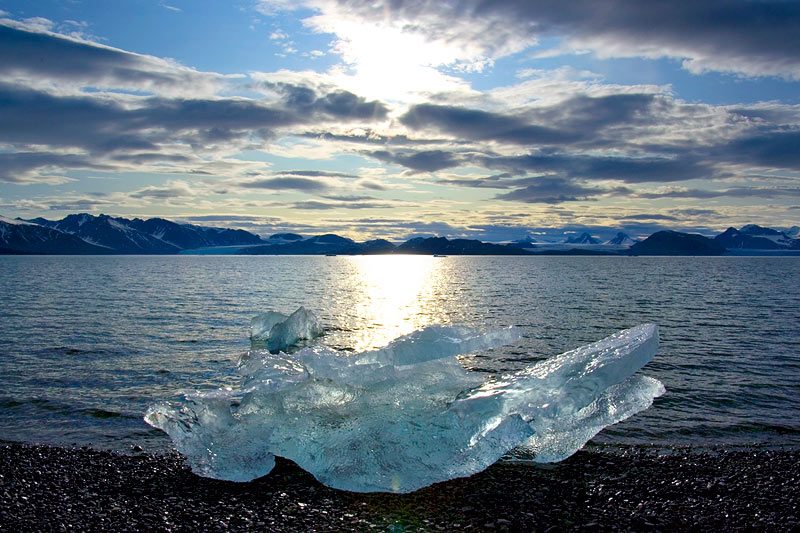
622 239
107 234
753 237
18 236
112 233
583 238
527 242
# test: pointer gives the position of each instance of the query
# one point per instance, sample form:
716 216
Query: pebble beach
45 488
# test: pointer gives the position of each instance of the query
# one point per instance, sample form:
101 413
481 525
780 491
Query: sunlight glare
391 296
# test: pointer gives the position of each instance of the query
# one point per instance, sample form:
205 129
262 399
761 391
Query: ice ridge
276 331
407 415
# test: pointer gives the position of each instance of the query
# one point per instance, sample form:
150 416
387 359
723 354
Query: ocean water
87 343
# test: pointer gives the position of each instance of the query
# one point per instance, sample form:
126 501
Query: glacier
401 417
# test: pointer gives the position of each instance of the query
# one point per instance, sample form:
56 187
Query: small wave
102 413
61 408
757 427
71 350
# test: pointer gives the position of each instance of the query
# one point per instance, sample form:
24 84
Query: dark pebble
60 489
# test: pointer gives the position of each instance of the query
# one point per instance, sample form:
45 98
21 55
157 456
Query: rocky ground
60 489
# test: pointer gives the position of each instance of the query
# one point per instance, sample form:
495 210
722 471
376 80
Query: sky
493 120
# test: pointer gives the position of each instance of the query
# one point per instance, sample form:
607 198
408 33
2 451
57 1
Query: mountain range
103 234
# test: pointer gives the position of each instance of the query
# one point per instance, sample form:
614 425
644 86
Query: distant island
89 234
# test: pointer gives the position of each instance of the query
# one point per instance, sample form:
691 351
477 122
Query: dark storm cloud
46 55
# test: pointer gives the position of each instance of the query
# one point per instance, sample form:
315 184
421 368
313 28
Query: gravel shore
62 489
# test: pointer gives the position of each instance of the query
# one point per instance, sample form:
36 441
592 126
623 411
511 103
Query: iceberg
276 331
401 417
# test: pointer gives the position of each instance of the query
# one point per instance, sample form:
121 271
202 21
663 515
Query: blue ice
407 415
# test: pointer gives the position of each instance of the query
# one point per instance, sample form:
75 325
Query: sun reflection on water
391 296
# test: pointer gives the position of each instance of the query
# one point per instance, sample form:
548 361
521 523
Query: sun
388 63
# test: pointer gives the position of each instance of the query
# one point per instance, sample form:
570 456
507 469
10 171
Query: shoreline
56 488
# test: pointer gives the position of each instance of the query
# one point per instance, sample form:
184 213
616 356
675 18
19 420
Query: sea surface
88 343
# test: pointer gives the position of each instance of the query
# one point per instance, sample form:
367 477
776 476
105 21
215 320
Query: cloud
24 168
317 174
551 190
601 167
280 184
578 119
172 189
336 104
421 161
31 52
370 137
226 218
408 228
117 130
351 198
743 37
693 212
317 205
631 138
770 149
80 205
735 192
481 125
649 216
371 184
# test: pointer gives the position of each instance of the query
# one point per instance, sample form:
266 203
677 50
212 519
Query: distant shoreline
50 488
557 253
85 234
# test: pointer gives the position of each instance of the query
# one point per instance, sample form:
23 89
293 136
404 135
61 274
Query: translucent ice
276 331
407 415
